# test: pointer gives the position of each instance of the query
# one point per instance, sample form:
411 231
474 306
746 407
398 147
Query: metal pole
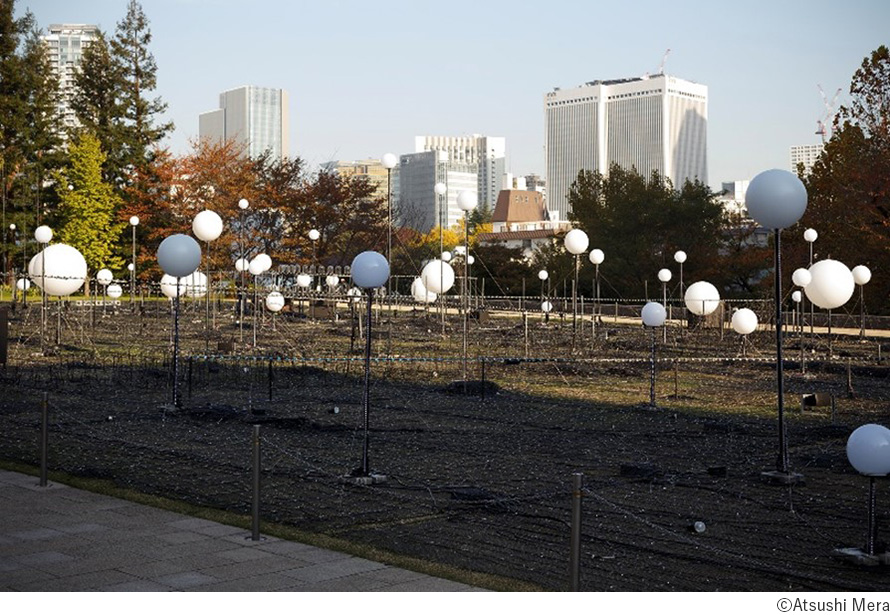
782 462
366 395
176 346
871 537
575 303
652 367
861 313
133 272
255 509
575 550
389 231
44 438
596 309
466 289
664 302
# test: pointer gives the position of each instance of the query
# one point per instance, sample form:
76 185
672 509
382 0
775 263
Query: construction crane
828 116
660 70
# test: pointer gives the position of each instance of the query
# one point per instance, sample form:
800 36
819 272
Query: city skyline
365 80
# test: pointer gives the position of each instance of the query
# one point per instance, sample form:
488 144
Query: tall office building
419 206
655 123
487 153
66 44
807 155
371 169
255 116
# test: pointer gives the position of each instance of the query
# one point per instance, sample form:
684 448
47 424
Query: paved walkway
58 538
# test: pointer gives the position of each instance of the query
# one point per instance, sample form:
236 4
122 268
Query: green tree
88 205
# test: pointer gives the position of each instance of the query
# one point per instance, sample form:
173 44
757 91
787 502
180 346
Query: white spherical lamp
389 161
420 292
810 235
796 296
134 220
597 256
653 314
546 307
744 321
370 270
104 277
314 234
440 188
66 269
207 225
543 275
304 280
702 298
23 284
776 199
446 256
169 286
664 276
680 256
467 200
801 277
868 450
195 285
243 204
179 255
861 275
437 276
332 280
114 291
831 286
576 241
274 301
43 234
262 263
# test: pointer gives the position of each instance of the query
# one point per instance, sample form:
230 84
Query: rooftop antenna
828 116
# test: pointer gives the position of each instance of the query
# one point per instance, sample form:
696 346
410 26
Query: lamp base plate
775 477
855 555
370 479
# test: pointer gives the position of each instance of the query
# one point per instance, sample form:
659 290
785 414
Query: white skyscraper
419 205
66 44
487 153
655 123
255 116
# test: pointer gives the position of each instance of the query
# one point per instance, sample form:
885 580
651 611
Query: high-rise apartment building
254 116
657 123
371 169
807 155
419 207
487 153
66 44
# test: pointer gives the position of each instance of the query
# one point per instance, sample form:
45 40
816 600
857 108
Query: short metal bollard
255 509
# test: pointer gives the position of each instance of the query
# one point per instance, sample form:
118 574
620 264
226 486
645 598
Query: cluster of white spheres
744 321
702 298
260 263
868 450
421 293
437 276
274 301
653 314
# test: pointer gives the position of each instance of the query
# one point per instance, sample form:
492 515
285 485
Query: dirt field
478 484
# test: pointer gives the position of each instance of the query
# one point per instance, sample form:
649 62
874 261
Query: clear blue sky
365 77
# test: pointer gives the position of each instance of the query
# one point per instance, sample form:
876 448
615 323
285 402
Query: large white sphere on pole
43 234
831 286
440 188
576 241
369 270
104 277
810 235
776 199
653 314
467 200
134 220
207 225
664 275
260 263
66 269
389 161
421 293
680 256
868 450
169 284
274 301
437 276
744 321
195 285
801 277
179 255
114 291
861 275
702 298
597 256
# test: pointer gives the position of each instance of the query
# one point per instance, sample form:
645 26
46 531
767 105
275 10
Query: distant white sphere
169 286
680 256
576 241
114 291
354 294
179 255
243 204
460 250
389 161
796 296
653 314
242 264
332 280
304 280
702 298
314 234
131 267
23 284
43 234
66 269
467 200
776 199
832 284
597 256
134 220
207 225
868 450
195 285
104 277
440 188
546 307
471 259
369 270
664 275
420 292
259 264
801 277
810 235
744 321
446 256
861 274
543 275
437 276
274 301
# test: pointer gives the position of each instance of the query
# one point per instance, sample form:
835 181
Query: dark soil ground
478 480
